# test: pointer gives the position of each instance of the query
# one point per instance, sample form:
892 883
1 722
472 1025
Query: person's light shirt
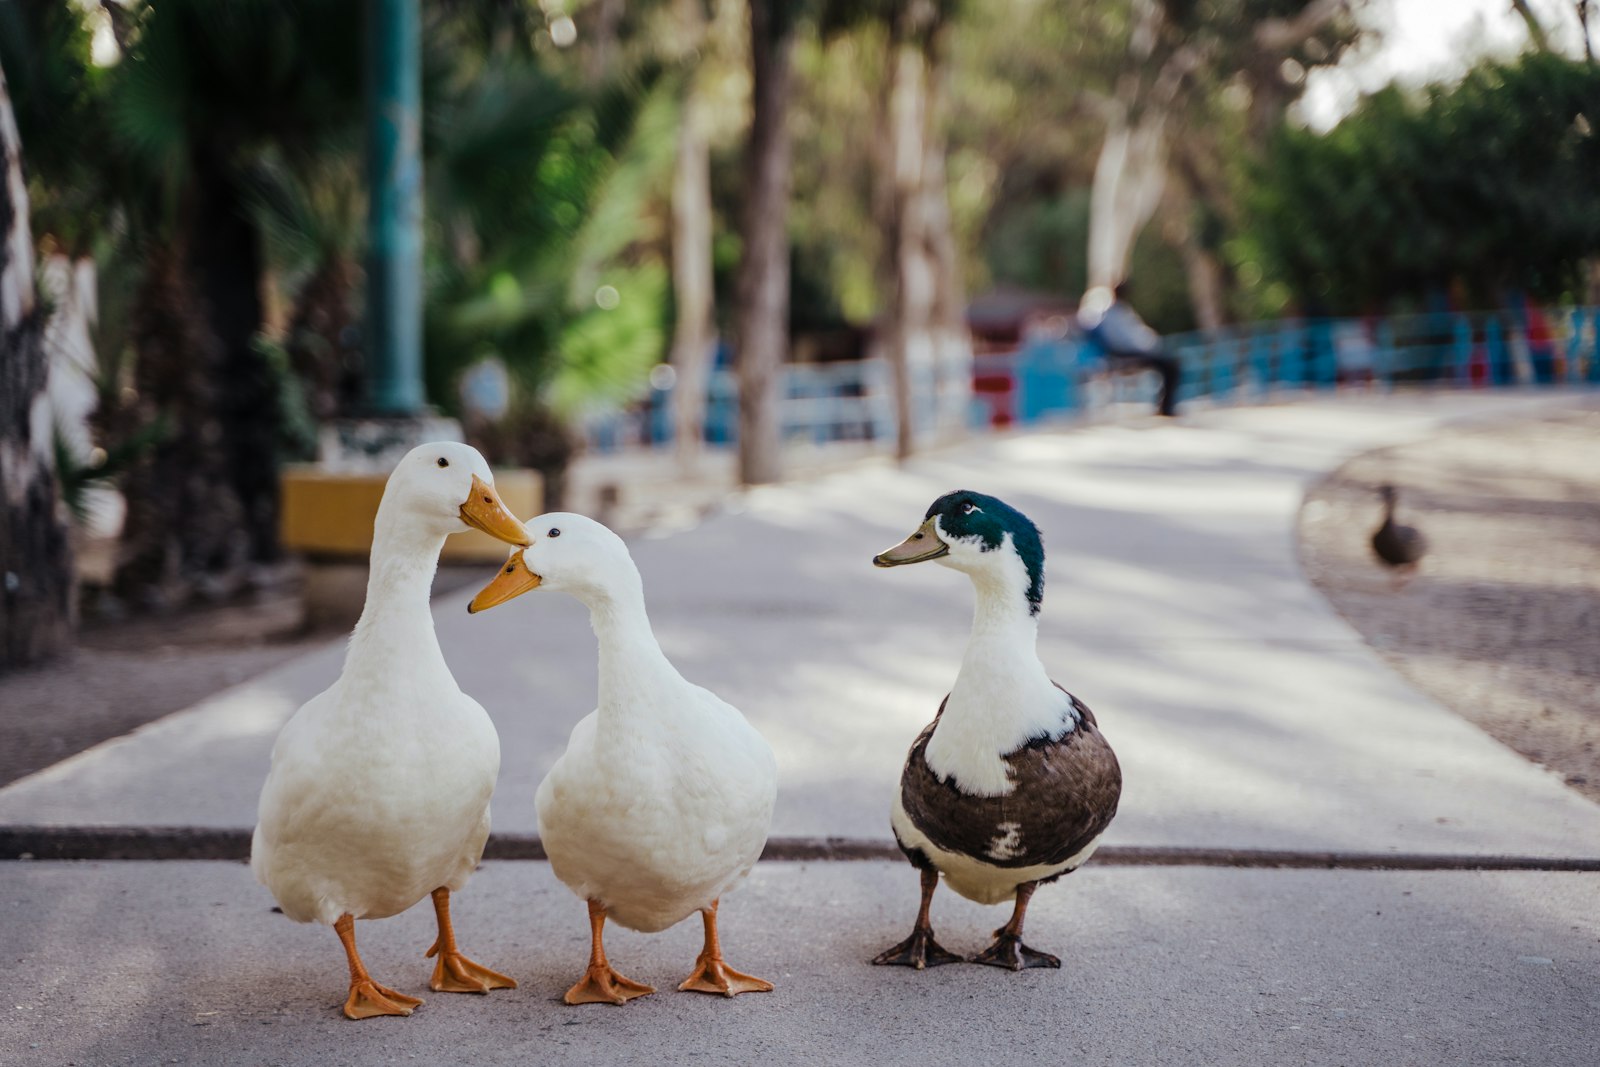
1122 330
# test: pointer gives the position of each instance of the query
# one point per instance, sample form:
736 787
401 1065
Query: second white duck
664 796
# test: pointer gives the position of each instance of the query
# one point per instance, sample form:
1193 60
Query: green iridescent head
963 526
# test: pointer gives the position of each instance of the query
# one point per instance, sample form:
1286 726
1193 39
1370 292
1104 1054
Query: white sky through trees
1420 41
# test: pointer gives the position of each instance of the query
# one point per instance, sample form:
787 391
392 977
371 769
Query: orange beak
484 511
513 580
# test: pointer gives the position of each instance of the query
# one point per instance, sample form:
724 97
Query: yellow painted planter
328 514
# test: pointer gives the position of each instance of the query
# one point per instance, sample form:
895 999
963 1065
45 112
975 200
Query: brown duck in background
1397 546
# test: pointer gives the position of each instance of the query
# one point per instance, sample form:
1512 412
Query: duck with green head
1012 784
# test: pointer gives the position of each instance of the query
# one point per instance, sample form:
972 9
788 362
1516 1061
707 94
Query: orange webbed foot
368 1000
602 985
712 975
454 973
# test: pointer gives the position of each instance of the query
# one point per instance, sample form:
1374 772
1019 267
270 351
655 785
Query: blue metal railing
845 401
1062 376
1053 378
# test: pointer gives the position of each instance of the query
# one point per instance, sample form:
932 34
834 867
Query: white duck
379 789
663 798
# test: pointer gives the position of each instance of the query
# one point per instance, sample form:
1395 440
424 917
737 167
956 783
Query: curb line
200 843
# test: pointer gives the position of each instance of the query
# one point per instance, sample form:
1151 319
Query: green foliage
539 195
58 98
77 475
1041 244
607 352
1482 186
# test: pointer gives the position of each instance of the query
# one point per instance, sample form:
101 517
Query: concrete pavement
1246 714
181 963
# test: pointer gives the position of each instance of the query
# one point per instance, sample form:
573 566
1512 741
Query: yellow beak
513 580
484 511
924 544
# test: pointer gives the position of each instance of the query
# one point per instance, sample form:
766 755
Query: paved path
1246 714
157 963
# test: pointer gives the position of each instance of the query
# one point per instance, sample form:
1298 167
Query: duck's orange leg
454 973
367 998
600 984
712 975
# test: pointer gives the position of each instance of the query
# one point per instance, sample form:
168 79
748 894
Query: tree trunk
36 577
317 340
910 311
1128 181
762 315
225 266
1204 274
952 342
1536 33
692 283
185 525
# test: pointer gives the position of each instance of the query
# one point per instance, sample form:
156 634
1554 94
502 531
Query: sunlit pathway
1246 713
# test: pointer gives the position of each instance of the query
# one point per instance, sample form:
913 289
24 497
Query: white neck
394 637
1002 698
634 672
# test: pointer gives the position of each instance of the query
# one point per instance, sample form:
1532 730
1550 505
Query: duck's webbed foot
712 974
601 984
368 999
454 973
919 950
715 976
1008 951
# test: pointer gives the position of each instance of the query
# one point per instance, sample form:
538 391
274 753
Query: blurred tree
923 327
202 90
761 306
37 611
1186 62
1476 188
693 283
547 208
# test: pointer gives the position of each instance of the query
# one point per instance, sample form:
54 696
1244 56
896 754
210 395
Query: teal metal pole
394 214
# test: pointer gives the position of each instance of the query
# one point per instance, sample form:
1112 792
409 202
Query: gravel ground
126 673
1503 622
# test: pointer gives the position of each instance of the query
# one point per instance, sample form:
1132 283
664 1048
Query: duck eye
443 462
553 532
967 508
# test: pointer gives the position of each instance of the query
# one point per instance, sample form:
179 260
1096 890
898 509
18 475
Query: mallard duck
379 789
663 798
1012 784
1398 547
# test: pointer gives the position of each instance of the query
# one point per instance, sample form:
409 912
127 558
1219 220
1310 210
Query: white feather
379 788
664 797
1002 696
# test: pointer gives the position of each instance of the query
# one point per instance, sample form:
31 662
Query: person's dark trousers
1163 364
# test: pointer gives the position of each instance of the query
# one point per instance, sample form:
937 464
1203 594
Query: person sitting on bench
1128 342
